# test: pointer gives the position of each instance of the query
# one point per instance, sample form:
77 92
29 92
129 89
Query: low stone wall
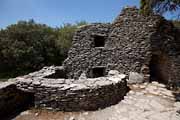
64 94
13 100
69 95
75 95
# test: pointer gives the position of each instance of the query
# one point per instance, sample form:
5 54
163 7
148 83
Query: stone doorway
159 68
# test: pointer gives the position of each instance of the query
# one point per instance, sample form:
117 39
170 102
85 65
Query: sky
58 12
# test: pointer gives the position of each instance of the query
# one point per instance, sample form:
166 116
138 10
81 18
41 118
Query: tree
160 6
65 35
145 7
28 46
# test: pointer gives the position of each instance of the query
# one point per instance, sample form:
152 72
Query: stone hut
136 45
147 45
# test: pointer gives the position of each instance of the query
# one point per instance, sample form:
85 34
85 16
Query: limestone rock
83 76
113 73
135 77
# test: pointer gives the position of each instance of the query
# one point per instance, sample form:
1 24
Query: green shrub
28 46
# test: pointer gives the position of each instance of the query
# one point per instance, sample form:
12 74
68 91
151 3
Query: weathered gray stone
82 94
83 76
113 73
69 94
135 77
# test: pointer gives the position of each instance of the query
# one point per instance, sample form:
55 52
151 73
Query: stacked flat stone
69 94
132 42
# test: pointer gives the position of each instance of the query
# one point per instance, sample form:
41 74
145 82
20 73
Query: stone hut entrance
159 68
154 68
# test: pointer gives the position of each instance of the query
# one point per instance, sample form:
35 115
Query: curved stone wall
62 94
74 95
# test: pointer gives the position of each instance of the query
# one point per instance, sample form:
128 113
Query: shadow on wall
160 68
14 101
60 73
177 96
96 72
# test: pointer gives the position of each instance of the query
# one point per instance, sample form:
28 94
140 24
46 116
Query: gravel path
144 102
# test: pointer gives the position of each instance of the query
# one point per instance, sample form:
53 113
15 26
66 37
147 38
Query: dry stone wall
132 43
127 45
71 94
165 45
62 94
84 55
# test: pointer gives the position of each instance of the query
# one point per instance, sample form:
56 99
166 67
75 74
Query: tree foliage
65 35
145 7
28 46
160 6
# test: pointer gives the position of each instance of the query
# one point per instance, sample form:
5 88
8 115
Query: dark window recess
98 72
99 41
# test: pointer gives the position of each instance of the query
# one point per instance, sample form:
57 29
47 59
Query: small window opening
99 41
98 72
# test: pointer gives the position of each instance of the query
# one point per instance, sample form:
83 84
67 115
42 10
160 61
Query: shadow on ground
177 96
13 115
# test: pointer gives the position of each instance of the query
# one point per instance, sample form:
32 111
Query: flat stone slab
6 84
